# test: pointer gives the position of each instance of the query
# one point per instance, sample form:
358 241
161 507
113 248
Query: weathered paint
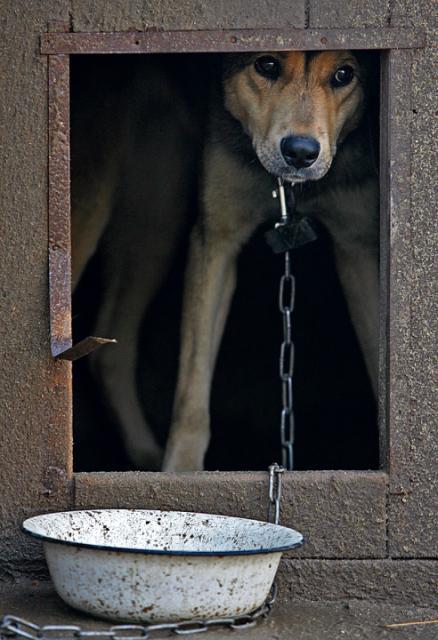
161 566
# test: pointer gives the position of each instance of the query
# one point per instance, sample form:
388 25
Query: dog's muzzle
294 158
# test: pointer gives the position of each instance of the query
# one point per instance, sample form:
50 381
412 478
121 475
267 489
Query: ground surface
302 621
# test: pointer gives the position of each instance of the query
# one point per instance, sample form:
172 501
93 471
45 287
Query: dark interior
335 412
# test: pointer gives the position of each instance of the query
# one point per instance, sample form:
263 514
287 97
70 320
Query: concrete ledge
342 514
397 581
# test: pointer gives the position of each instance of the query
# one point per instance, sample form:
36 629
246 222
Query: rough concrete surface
337 14
413 506
301 620
186 14
33 388
396 581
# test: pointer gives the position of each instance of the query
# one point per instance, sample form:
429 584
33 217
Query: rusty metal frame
153 41
59 204
363 493
61 342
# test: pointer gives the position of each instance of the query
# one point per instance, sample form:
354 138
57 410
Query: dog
298 116
295 116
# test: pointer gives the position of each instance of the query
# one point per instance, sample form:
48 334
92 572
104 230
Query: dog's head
295 106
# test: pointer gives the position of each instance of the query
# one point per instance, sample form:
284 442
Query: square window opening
138 130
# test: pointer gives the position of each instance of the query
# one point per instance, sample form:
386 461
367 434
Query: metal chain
286 302
12 626
275 489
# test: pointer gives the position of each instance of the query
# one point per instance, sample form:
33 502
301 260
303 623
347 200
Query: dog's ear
232 63
369 62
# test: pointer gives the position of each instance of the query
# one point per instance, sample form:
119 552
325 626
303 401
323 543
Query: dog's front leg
210 281
358 271
233 209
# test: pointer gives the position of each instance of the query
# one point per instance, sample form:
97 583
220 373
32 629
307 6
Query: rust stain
178 41
149 608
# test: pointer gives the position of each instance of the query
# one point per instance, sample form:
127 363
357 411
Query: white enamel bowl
155 566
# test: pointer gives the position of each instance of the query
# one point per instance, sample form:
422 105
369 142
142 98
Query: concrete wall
35 447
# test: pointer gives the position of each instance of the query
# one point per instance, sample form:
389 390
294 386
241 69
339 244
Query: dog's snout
299 151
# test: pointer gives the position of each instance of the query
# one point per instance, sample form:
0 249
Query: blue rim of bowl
163 552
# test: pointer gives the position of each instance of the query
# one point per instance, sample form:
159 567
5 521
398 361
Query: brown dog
297 114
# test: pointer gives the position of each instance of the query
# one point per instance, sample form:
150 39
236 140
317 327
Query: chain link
286 303
12 626
275 490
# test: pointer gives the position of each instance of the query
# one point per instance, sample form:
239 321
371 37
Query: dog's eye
268 66
343 76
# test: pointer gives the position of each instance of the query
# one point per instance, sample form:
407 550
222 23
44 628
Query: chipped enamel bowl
155 566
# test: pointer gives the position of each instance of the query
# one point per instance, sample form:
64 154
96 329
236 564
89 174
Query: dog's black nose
299 151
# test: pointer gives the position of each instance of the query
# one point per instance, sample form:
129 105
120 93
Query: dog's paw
183 461
184 456
145 458
188 441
